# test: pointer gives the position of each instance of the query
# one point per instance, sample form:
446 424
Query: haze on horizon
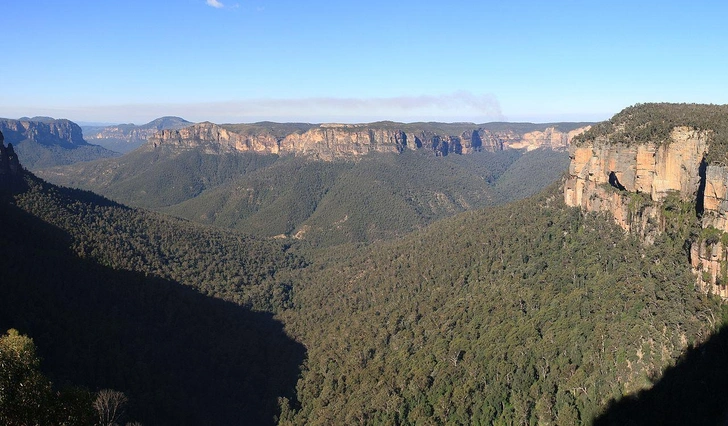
244 61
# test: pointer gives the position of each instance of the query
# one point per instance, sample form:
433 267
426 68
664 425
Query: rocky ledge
641 183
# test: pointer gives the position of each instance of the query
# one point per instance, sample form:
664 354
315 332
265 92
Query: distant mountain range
128 137
540 311
326 183
349 141
329 183
46 142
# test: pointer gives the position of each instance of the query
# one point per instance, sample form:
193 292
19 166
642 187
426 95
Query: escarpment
213 139
44 131
42 142
349 141
642 174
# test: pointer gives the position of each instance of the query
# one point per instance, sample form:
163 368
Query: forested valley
327 203
528 312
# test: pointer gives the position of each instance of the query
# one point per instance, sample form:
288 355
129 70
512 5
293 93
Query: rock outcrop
349 141
11 171
42 142
214 139
611 176
635 182
44 131
127 137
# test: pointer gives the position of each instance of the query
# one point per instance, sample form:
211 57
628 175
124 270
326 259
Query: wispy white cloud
458 106
215 3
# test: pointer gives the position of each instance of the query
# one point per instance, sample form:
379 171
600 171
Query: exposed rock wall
715 201
710 264
332 141
335 141
631 182
651 169
549 138
63 133
213 139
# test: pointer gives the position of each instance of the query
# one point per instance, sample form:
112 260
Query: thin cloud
215 4
458 106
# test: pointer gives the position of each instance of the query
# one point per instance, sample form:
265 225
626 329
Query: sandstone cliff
638 181
349 141
48 132
214 139
45 142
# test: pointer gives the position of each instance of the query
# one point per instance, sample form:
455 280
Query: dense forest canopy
525 313
380 196
163 310
653 122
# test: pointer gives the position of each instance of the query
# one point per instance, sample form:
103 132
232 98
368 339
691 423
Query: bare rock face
330 141
63 133
709 262
549 138
213 139
650 169
632 181
715 201
350 141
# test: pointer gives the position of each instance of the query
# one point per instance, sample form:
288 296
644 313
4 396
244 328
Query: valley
389 273
328 184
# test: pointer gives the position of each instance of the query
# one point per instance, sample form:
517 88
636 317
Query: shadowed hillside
695 391
180 357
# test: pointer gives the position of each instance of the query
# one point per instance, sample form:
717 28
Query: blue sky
318 61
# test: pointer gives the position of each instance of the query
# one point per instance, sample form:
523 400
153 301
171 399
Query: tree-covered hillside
528 313
525 313
130 300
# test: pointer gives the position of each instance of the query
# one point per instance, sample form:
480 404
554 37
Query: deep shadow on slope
181 357
694 392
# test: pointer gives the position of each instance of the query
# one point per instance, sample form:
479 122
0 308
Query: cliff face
633 182
608 176
62 133
548 138
348 141
213 139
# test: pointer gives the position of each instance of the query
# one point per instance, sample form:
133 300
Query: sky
238 61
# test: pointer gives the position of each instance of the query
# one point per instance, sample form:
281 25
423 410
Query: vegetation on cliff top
653 122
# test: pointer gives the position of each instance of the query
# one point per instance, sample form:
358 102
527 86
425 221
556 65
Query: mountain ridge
47 142
127 137
329 141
